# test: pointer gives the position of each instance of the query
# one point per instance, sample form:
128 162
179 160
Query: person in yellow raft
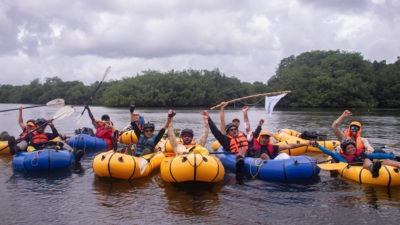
353 132
186 142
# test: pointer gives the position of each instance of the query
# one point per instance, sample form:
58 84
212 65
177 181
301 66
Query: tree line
326 79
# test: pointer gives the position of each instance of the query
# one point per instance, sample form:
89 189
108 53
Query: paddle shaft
251 96
53 102
95 90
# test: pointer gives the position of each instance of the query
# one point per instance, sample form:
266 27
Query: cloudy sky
79 39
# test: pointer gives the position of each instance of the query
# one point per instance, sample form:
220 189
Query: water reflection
193 199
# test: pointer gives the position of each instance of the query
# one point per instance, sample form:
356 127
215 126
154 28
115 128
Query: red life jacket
39 138
104 133
350 158
238 142
257 146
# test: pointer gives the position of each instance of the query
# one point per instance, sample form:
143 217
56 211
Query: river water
79 197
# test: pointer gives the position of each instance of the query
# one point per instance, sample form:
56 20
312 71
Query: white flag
271 101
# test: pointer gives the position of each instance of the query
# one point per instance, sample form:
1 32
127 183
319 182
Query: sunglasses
355 128
233 129
148 131
186 136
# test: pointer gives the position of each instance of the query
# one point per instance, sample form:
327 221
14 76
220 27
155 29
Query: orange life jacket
39 138
359 144
238 142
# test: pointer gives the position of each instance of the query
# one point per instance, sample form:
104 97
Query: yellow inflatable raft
388 175
128 137
192 167
122 166
289 136
4 147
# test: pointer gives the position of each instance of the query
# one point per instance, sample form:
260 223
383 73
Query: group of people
257 143
33 136
356 149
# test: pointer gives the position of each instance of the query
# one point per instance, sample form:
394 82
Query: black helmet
187 131
148 125
40 122
105 117
344 144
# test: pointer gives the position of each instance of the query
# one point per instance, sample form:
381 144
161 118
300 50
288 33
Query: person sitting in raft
104 128
147 140
186 142
263 148
233 141
136 118
38 139
26 128
353 132
349 155
235 121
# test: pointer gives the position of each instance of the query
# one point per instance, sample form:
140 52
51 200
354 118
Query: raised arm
20 119
204 136
336 125
171 135
245 109
222 116
91 116
171 114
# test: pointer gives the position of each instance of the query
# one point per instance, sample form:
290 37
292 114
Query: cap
228 126
187 131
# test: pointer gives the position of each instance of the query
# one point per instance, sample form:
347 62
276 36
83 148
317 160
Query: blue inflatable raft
87 143
295 168
41 160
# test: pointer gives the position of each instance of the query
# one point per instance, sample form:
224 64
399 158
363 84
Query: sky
79 39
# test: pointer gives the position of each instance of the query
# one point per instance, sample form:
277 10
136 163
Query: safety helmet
40 122
347 142
148 125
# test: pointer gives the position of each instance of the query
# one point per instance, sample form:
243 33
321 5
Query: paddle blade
393 145
64 112
142 165
332 166
56 102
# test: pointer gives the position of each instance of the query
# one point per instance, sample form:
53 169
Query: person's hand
50 122
313 143
347 113
205 115
224 104
265 156
20 108
261 122
171 113
245 109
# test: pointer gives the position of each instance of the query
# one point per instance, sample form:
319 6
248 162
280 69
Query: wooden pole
251 96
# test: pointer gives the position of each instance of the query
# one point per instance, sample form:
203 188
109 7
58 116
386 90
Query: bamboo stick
251 96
